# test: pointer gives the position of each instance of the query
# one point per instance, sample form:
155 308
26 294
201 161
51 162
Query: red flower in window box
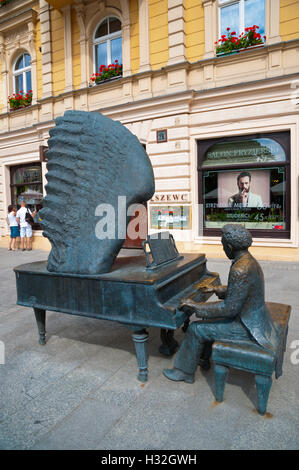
232 43
107 72
20 100
3 2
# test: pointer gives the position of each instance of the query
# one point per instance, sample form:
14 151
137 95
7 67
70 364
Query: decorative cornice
14 7
19 19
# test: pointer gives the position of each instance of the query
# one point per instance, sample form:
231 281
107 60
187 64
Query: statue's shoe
178 375
204 364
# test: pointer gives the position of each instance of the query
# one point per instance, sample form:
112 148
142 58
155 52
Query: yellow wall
38 62
58 67
134 31
195 36
76 51
158 26
289 19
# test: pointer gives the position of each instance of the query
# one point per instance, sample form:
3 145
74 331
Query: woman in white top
14 227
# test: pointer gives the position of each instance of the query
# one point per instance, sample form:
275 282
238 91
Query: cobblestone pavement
80 391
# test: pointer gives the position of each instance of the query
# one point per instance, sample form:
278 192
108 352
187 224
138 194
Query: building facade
210 121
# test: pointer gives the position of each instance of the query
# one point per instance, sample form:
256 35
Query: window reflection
255 14
246 180
230 18
108 43
116 50
264 205
22 74
101 55
102 29
246 151
241 14
26 184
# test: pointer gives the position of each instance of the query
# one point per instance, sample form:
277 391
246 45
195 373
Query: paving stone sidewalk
80 390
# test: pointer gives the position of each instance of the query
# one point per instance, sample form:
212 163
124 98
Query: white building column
126 50
80 10
144 41
176 31
126 37
272 21
210 15
47 78
31 43
68 59
4 74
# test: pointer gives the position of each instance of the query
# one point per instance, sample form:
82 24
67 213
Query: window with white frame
22 74
241 14
108 42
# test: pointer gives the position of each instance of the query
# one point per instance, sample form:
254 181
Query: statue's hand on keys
186 305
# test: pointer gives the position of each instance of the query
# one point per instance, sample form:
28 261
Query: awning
32 197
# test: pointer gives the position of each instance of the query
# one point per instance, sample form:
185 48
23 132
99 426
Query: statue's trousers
199 333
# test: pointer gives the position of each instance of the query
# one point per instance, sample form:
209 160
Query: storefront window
26 183
246 180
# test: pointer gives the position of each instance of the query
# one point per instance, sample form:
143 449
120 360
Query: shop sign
246 151
171 217
179 198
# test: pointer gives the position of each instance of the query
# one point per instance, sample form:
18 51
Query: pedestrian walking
14 227
25 227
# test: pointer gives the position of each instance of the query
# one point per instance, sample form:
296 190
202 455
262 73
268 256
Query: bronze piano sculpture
92 162
128 294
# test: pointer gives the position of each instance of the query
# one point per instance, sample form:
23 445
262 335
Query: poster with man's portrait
244 188
254 198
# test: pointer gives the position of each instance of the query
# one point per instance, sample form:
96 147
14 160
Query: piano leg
40 316
140 341
169 344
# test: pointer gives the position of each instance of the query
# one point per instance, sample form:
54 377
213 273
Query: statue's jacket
245 301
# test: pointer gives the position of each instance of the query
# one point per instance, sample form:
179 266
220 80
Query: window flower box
106 73
108 80
257 46
20 100
222 54
4 2
230 43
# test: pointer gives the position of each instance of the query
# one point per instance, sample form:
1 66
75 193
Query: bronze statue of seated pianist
241 315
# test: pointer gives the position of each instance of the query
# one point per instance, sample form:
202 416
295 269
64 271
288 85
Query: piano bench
251 357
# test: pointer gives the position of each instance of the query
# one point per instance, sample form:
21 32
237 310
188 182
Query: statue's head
235 238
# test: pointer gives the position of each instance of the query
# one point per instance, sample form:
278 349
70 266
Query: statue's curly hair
237 236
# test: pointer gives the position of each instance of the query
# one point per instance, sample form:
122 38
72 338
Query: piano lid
131 269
